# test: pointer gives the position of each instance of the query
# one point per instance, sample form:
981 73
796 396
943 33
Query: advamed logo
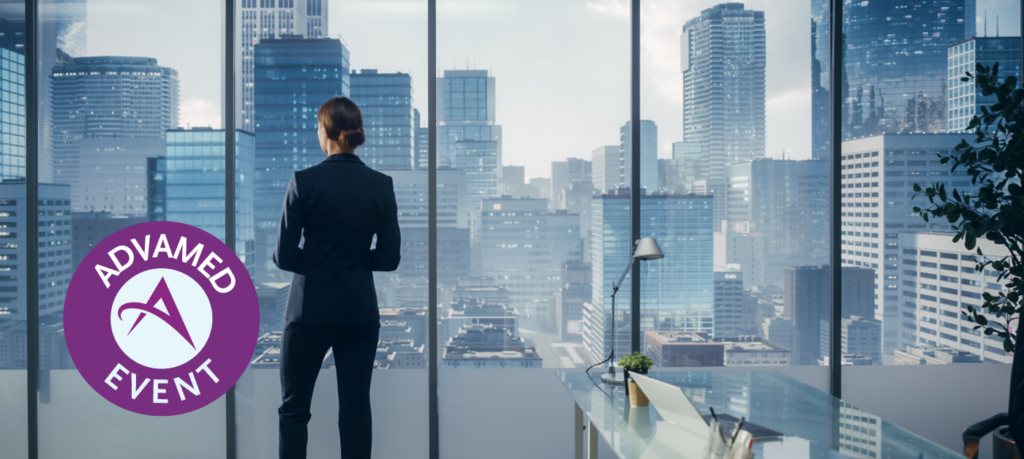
161 318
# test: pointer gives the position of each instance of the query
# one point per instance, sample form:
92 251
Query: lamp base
617 380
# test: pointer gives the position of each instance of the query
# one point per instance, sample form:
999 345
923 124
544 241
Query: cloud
197 111
614 8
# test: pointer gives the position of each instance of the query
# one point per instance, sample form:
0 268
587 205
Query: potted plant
993 209
637 363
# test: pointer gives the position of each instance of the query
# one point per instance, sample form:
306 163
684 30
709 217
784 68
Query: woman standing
330 215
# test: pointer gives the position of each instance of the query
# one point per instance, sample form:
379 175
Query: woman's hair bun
355 138
342 117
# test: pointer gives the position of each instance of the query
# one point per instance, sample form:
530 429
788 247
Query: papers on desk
734 446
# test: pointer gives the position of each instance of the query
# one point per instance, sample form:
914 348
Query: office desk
814 424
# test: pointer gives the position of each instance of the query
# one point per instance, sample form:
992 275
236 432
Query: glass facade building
964 100
648 156
12 101
193 188
723 64
294 76
385 99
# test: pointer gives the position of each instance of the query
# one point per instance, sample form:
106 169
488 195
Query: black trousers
303 347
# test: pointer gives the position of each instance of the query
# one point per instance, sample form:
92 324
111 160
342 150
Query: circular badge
161 318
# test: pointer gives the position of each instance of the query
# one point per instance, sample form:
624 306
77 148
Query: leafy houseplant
995 163
995 211
637 363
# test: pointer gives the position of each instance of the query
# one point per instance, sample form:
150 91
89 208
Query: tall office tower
411 192
820 124
62 34
268 19
939 281
559 180
862 336
667 175
784 202
512 177
686 159
54 250
648 156
963 98
716 189
422 161
667 303
806 303
193 185
12 101
877 205
580 170
524 247
894 64
735 309
113 175
385 99
108 97
289 93
605 171
723 65
89 228
467 136
578 199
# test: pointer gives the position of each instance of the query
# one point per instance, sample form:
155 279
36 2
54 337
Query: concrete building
89 228
569 301
807 302
742 351
939 282
735 308
605 168
486 346
683 349
877 206
931 355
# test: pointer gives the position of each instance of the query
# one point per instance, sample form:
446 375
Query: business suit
331 213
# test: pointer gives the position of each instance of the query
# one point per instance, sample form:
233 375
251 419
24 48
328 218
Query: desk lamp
644 249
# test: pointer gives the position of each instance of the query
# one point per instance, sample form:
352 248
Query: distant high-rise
806 303
666 304
820 124
114 175
605 168
263 19
878 205
964 100
784 202
108 96
524 248
62 36
422 161
686 159
468 137
648 156
289 94
194 185
895 64
385 100
12 107
723 65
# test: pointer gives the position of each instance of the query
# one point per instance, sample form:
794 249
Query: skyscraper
385 100
112 97
877 205
894 64
62 35
786 203
263 19
806 304
723 65
678 289
12 101
113 177
648 156
468 137
686 158
194 185
293 76
963 98
605 161
422 142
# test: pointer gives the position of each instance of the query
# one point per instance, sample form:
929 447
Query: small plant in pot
637 363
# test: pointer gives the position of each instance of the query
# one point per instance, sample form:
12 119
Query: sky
561 67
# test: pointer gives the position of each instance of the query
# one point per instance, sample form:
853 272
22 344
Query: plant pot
637 396
1003 447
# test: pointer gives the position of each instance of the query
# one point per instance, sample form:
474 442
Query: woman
330 215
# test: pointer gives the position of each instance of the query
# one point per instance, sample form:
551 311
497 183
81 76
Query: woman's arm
289 230
385 256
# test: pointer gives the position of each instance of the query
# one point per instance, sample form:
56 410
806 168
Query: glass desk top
813 423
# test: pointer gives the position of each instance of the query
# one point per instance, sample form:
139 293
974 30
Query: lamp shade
648 249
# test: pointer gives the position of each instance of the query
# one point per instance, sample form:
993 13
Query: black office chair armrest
973 434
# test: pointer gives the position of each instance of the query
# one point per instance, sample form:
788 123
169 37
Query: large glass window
130 128
734 173
531 98
905 282
293 57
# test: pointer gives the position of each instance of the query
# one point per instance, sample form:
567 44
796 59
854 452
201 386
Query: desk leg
578 436
591 440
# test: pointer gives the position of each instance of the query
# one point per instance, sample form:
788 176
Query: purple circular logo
161 318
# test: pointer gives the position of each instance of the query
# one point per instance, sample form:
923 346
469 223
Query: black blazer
330 215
